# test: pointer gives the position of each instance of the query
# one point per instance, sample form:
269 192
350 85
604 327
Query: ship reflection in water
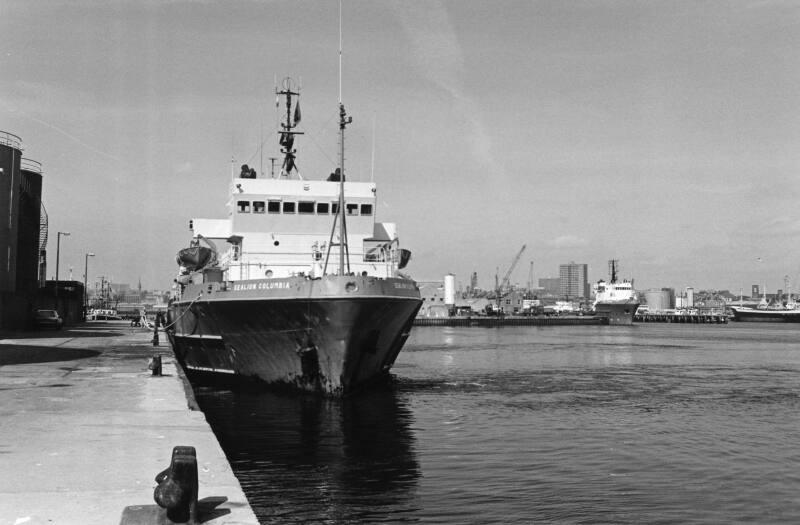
304 459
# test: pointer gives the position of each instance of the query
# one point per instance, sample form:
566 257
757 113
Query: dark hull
303 334
766 316
616 313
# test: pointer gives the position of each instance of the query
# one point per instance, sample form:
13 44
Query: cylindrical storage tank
10 157
657 300
690 298
450 289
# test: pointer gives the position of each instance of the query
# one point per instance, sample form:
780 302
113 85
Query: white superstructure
613 292
282 228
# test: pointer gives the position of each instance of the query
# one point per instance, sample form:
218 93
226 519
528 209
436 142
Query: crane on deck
503 285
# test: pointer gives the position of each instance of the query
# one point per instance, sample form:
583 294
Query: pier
510 321
87 426
681 318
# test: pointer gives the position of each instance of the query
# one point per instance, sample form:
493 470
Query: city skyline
662 135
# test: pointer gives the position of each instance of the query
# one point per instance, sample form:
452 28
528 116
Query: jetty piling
510 321
697 318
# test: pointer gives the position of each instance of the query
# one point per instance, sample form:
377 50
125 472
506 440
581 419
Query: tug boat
299 286
614 300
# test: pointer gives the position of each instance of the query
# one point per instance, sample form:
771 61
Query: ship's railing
369 257
9 139
256 266
30 165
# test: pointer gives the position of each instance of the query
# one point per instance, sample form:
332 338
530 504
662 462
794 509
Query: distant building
511 303
574 281
432 294
550 286
119 288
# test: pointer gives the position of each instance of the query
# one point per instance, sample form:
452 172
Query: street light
58 254
85 291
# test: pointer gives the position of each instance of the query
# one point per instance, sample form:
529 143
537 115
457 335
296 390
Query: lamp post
58 255
85 276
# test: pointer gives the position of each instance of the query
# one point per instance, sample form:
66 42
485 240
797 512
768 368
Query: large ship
617 301
299 286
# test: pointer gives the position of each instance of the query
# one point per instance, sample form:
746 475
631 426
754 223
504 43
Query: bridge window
366 209
288 207
352 209
244 206
334 207
258 206
274 206
305 207
322 208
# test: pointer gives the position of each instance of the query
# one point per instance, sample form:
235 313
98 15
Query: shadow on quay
26 354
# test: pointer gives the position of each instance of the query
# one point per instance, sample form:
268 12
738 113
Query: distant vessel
766 313
616 301
271 304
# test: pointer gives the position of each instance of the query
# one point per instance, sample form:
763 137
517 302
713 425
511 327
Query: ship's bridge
279 228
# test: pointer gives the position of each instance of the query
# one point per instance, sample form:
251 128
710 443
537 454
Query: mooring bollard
177 486
155 335
155 365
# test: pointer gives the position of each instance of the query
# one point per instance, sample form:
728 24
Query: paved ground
85 427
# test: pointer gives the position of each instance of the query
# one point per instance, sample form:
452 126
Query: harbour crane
504 284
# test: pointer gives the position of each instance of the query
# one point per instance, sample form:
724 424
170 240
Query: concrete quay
85 428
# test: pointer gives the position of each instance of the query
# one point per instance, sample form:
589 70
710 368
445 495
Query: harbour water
566 424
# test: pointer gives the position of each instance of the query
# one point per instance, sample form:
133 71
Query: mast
344 250
344 120
612 269
286 133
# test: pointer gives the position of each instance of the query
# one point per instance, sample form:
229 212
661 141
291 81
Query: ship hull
754 315
617 313
332 335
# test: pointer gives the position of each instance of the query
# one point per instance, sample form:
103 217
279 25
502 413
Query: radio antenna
340 52
344 120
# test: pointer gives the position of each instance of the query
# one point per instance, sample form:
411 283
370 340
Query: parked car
48 319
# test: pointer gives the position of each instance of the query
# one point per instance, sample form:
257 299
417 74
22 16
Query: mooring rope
170 325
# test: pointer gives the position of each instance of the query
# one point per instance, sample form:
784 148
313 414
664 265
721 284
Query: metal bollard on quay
176 494
155 365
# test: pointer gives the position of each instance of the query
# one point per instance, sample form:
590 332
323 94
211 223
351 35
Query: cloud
567 241
184 168
438 55
72 137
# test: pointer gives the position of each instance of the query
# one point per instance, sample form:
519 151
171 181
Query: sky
661 134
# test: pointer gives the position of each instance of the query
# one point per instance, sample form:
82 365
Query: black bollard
177 487
155 365
155 335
